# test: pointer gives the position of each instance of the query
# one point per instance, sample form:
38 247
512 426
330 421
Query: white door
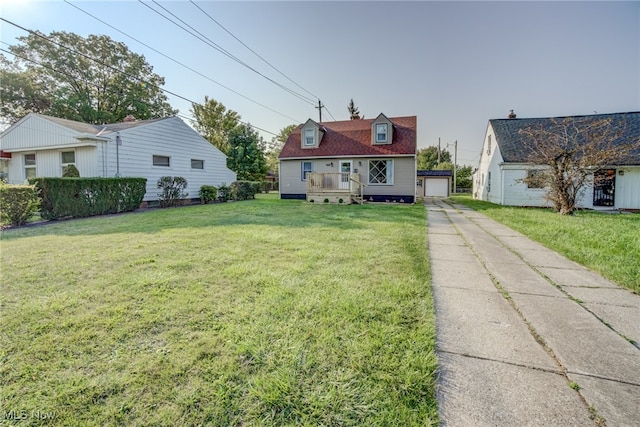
345 174
436 187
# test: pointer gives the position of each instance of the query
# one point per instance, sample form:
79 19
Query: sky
455 65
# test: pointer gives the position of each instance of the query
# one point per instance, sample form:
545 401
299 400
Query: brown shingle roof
353 138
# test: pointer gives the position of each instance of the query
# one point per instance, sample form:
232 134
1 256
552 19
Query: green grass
606 243
264 312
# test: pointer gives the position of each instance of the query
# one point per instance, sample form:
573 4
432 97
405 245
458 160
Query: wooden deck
335 187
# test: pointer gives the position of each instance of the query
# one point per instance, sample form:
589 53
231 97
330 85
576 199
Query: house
39 145
434 183
352 160
503 165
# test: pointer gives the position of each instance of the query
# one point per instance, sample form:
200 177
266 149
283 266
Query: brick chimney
512 115
131 118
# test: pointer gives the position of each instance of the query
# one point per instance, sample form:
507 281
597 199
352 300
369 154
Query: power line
181 64
217 47
105 65
251 50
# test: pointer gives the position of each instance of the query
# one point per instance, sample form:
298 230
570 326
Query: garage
434 183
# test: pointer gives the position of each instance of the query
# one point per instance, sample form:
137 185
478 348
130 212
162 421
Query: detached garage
434 183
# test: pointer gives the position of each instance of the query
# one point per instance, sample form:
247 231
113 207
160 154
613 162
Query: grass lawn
264 312
606 243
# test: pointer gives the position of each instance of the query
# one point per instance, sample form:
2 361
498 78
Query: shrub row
82 197
17 203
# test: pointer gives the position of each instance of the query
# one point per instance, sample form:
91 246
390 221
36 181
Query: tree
354 113
246 154
275 147
92 80
572 151
428 157
214 122
19 93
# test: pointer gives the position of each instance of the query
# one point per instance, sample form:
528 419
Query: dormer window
309 137
381 132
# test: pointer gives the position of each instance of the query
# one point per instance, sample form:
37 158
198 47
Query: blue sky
454 65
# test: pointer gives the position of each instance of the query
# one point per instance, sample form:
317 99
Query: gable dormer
311 134
381 130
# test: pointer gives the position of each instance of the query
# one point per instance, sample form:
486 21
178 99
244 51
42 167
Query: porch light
330 164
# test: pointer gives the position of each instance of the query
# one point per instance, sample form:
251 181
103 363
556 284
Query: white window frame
65 164
386 133
389 177
153 161
304 171
29 166
197 160
307 138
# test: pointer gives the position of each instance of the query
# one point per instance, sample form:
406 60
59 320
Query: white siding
490 160
49 163
33 133
516 192
175 139
627 194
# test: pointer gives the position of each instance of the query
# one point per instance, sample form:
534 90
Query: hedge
17 203
82 197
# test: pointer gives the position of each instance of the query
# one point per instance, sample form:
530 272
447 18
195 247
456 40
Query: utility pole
455 165
320 107
438 150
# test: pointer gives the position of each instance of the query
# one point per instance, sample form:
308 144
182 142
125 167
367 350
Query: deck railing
333 182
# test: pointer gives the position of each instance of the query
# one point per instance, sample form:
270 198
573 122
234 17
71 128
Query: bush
70 171
208 193
265 186
244 190
17 203
224 193
172 190
82 197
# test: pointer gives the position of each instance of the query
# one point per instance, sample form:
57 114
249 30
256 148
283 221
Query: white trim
51 147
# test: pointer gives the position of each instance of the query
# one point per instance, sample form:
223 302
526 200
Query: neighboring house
503 165
42 146
343 160
434 183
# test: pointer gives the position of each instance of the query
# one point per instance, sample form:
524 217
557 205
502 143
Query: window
29 166
381 172
535 178
4 169
489 182
381 132
306 168
68 157
489 144
309 137
162 161
197 164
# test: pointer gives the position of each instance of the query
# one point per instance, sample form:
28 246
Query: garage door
436 187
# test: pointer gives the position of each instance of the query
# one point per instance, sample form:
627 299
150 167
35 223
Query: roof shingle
513 150
353 138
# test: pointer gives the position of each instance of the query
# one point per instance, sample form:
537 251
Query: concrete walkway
526 337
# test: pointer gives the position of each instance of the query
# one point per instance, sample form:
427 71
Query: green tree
428 158
246 154
19 93
214 122
275 147
92 80
354 113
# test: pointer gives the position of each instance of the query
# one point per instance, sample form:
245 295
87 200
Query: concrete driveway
526 337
